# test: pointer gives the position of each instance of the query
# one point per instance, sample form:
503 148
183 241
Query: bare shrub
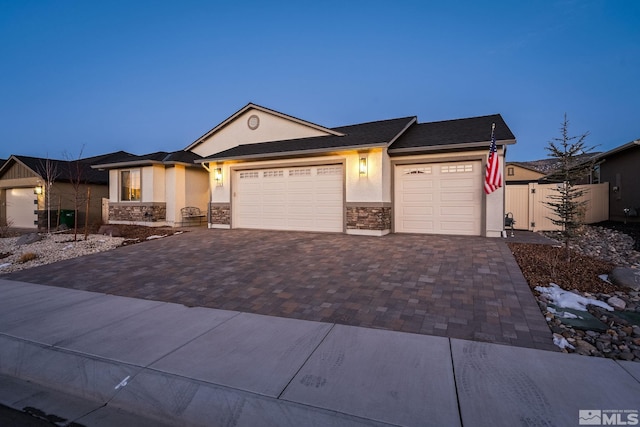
5 228
27 256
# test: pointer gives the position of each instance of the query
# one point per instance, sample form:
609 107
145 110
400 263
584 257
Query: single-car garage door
301 198
20 207
438 198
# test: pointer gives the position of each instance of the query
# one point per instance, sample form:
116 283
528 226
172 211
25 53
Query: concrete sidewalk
103 360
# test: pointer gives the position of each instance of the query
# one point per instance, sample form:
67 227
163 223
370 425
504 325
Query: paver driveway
459 287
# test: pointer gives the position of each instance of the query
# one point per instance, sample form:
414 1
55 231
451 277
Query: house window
510 171
130 189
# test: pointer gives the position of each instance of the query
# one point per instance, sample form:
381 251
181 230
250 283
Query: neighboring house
23 189
263 169
152 189
619 167
521 173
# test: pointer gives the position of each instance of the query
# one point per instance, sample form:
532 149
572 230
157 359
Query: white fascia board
301 153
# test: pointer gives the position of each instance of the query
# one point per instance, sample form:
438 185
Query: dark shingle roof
378 133
181 156
67 170
550 165
453 132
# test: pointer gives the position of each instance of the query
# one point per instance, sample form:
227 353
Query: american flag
493 177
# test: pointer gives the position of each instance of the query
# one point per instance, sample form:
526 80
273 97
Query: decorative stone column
220 215
372 219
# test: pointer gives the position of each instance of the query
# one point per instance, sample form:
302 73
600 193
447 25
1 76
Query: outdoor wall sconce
217 176
363 166
38 190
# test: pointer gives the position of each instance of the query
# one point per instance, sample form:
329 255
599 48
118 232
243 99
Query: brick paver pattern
453 286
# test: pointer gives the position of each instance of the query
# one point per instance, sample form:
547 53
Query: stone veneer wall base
220 215
370 218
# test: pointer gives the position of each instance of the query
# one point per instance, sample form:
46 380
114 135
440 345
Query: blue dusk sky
145 76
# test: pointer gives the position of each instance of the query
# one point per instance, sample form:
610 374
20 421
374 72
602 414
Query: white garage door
439 198
303 198
20 207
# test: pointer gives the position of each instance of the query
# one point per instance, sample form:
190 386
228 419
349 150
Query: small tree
77 179
566 204
50 174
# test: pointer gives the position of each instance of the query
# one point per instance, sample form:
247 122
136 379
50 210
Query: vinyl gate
526 203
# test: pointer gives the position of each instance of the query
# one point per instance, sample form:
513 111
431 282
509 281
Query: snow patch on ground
155 236
566 299
562 342
562 314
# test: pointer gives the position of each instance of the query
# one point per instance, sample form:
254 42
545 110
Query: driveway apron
452 286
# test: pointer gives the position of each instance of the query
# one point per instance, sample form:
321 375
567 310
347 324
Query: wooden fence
526 203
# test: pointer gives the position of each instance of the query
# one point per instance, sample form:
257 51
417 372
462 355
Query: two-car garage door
438 198
308 198
433 198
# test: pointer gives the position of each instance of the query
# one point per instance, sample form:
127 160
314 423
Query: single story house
25 198
263 169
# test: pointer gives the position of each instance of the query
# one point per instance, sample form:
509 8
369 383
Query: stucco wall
153 184
175 185
114 185
197 188
63 196
271 128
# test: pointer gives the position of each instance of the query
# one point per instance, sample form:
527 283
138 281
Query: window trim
121 184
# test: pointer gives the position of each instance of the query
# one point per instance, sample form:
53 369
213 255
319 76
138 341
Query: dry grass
27 256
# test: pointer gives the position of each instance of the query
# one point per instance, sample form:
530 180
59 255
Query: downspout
206 167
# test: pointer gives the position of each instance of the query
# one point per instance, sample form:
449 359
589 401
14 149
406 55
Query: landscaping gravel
611 333
51 248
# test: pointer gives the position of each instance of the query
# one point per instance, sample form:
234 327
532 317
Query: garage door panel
447 200
417 226
456 183
454 227
456 211
458 197
415 184
270 185
417 210
306 199
335 198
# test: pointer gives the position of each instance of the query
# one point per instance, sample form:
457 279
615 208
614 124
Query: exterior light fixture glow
38 190
217 176
363 166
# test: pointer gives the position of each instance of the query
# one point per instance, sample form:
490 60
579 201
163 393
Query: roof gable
266 125
365 135
13 168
